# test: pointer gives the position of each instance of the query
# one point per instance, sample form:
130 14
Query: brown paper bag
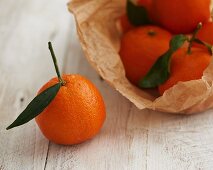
100 39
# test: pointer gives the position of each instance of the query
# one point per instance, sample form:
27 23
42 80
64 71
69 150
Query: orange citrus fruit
140 48
76 113
181 16
186 67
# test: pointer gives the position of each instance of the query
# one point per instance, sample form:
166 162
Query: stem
199 26
208 46
55 64
151 33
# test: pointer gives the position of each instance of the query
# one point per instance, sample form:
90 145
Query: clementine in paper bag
186 67
140 48
100 41
181 16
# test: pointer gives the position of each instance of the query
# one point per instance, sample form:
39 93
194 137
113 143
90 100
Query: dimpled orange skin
186 67
205 34
181 16
140 48
75 115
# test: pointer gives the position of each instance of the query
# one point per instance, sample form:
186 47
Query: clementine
186 67
76 113
181 16
140 48
68 109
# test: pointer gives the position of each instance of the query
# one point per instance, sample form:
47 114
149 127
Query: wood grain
25 64
130 139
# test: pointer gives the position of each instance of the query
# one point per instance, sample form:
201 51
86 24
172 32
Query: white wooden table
130 139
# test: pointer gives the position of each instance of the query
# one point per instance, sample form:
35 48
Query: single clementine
181 16
140 48
76 113
186 67
205 34
68 109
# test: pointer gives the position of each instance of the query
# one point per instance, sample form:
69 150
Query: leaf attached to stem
160 71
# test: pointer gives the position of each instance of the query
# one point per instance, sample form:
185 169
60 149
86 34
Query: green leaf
177 41
36 106
137 15
160 71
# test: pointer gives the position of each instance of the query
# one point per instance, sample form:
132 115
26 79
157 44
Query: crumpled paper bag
100 39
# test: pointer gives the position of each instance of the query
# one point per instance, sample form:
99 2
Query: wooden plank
181 142
25 65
